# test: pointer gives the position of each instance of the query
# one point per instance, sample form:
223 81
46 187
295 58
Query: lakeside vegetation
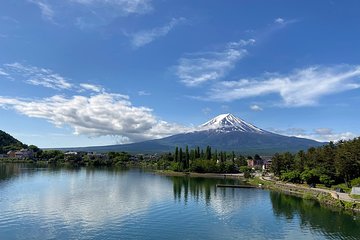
204 161
193 160
331 164
335 165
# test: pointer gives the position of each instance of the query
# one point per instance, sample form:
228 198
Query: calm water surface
44 203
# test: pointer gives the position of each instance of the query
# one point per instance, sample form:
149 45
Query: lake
59 203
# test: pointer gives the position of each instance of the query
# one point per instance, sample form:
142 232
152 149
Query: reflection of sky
89 198
248 214
245 209
133 205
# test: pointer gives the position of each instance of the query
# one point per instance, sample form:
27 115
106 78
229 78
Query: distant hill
8 142
224 132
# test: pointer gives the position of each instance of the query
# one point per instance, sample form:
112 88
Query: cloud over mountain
98 115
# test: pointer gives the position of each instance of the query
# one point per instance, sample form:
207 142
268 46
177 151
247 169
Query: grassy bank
324 198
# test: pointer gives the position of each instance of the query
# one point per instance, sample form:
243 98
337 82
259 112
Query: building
94 155
2 156
11 154
267 160
263 162
267 164
71 153
355 191
254 163
24 153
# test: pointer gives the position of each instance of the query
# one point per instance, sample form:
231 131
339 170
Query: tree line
204 161
330 164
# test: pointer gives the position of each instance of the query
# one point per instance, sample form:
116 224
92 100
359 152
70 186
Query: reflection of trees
311 214
198 187
8 171
13 170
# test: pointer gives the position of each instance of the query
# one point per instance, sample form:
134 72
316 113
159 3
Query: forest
330 164
204 161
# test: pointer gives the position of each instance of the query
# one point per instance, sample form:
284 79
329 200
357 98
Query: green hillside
8 142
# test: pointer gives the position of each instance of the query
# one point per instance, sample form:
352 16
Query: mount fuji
229 123
225 133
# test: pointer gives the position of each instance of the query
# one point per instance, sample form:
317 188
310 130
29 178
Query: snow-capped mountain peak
228 122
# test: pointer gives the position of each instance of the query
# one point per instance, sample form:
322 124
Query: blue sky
96 72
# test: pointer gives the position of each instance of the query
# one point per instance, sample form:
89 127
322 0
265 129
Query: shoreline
200 175
327 198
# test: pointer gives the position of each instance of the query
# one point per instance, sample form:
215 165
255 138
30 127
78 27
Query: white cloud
279 20
99 115
37 76
302 87
91 87
46 10
124 6
3 73
145 37
143 93
256 108
202 67
327 134
87 14
44 77
289 131
319 134
323 131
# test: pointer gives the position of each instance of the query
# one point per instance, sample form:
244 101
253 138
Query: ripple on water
132 205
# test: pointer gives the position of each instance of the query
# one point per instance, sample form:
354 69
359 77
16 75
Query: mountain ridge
224 132
228 122
8 142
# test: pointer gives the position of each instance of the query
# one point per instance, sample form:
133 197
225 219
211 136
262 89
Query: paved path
341 196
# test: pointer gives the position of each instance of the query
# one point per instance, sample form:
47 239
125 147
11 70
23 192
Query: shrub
326 180
310 176
355 182
292 176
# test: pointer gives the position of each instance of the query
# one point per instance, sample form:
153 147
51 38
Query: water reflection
198 187
8 171
330 223
88 197
224 202
58 203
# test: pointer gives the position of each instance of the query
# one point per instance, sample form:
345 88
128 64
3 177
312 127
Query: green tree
208 153
291 176
310 176
176 154
187 157
277 165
